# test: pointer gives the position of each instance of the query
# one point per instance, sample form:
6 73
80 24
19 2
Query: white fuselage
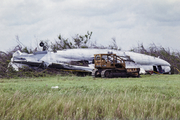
145 62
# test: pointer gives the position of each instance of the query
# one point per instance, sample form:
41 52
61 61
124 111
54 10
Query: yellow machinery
111 65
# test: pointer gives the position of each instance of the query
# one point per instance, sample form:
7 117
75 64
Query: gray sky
129 21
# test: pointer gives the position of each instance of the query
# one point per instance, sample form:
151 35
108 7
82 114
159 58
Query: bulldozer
111 65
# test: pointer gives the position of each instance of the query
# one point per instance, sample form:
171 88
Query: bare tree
114 44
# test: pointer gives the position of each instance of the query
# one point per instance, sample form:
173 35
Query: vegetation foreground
148 97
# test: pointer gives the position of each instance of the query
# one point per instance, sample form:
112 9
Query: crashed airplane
82 60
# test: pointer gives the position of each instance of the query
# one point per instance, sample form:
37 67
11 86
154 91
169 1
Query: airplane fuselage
65 57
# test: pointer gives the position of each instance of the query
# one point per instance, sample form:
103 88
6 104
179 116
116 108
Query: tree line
80 41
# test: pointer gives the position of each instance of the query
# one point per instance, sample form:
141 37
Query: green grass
148 97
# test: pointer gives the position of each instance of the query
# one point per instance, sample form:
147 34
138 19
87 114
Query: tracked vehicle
111 65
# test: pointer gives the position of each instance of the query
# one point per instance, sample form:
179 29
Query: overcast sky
128 21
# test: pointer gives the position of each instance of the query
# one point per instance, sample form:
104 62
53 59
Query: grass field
148 97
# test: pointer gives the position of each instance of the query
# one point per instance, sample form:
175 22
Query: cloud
129 21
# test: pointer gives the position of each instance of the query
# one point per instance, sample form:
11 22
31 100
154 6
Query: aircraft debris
82 60
54 87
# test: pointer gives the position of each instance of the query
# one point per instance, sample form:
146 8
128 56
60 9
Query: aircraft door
155 69
160 69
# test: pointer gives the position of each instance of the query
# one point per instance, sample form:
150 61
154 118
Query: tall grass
149 97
